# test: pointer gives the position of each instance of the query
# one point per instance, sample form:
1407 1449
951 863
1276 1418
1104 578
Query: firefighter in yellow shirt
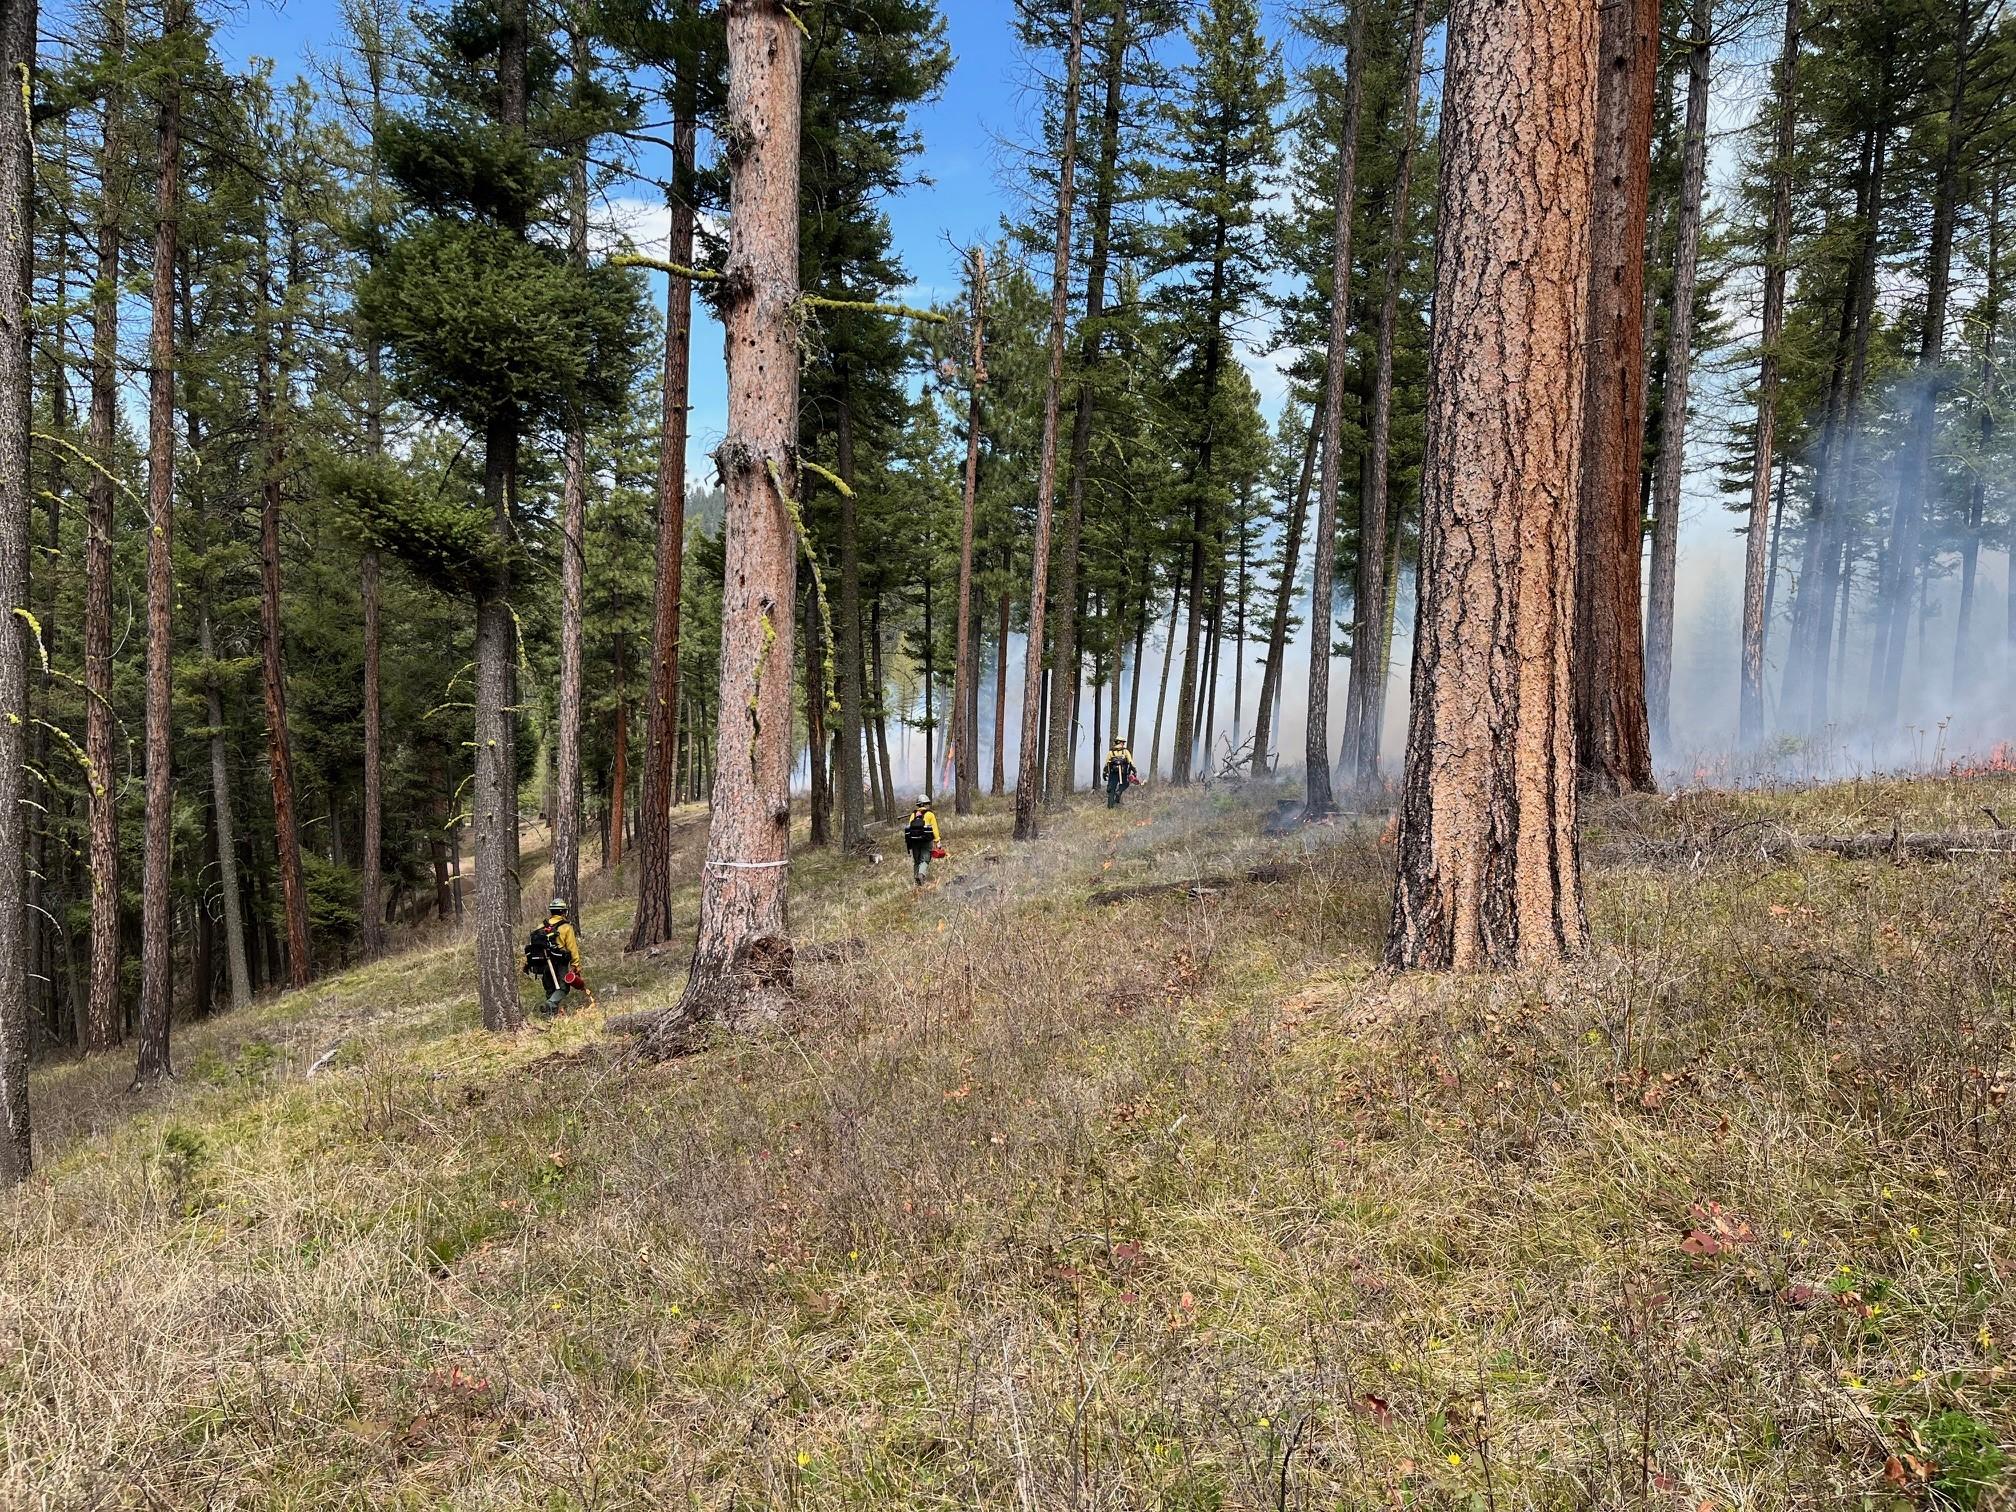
553 957
922 837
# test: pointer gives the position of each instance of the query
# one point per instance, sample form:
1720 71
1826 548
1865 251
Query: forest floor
1181 1202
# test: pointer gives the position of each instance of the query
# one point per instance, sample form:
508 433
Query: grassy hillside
1177 1203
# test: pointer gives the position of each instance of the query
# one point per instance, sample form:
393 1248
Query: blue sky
966 186
963 171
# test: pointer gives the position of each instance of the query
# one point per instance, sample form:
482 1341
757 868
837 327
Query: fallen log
1779 845
1197 887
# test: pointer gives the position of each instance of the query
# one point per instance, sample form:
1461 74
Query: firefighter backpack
543 947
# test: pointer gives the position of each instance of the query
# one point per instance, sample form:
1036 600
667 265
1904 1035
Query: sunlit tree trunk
1756 581
1316 738
222 809
371 907
1907 523
152 1063
653 922
1284 601
573 547
1985 400
1370 609
741 973
495 789
1168 660
279 744
998 783
820 798
1064 635
104 1022
1029 775
1679 377
1609 650
965 674
849 631
885 776
17 506
1488 868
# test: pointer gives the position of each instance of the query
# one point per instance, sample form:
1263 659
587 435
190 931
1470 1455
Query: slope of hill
1176 1201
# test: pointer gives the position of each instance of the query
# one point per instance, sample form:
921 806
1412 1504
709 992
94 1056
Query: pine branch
902 312
644 260
834 478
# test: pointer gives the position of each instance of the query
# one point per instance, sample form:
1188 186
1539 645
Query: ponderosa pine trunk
1612 735
371 906
849 632
1985 400
1168 660
1029 775
1064 632
1831 489
1316 737
1284 601
236 967
223 816
885 774
741 973
653 923
998 782
573 543
1195 652
104 1022
494 806
153 1064
371 892
1756 581
1134 679
1489 872
17 505
820 799
966 674
1369 610
279 744
619 770
1907 521
1679 375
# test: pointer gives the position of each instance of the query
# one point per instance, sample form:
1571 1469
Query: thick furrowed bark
494 792
1756 584
236 969
1370 608
966 674
1893 604
1316 746
1489 871
1028 775
152 1064
1284 602
741 972
1065 635
653 924
17 505
104 1023
1613 738
848 632
279 747
573 552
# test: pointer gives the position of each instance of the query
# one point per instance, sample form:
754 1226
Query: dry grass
1176 1204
